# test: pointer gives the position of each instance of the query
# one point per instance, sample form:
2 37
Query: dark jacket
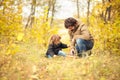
80 31
54 49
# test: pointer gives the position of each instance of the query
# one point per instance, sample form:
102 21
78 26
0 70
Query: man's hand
72 51
73 40
54 56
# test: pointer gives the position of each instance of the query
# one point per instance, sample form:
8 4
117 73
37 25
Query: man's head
70 23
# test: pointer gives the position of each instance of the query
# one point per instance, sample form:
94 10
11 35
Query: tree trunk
53 11
1 4
31 16
103 12
88 12
77 2
109 11
107 14
49 7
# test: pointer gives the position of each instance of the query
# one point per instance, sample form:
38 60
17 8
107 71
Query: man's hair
70 22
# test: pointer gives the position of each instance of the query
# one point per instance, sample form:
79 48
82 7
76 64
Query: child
55 47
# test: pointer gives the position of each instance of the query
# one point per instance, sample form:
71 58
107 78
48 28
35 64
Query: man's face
71 28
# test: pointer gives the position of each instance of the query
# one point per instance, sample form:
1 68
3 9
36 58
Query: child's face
57 41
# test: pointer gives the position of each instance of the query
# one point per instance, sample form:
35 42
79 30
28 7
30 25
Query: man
80 37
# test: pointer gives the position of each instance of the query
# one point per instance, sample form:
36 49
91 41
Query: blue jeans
83 45
48 56
60 53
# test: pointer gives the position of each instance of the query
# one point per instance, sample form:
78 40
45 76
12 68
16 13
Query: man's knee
79 41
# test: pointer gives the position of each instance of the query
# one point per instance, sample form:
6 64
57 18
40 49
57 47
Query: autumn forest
27 25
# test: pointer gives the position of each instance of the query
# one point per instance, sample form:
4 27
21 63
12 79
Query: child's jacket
54 49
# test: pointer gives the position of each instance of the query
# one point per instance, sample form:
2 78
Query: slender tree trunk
107 14
88 12
103 12
49 7
77 2
109 11
31 16
53 11
1 4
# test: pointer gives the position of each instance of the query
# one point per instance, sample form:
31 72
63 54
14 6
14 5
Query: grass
31 64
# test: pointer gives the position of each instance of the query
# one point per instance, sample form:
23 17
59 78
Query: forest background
25 29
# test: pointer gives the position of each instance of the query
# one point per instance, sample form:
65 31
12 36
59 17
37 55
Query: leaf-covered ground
30 63
33 65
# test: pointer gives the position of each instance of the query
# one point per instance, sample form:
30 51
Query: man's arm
72 41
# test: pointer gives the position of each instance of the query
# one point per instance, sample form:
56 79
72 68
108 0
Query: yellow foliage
20 36
12 49
107 37
40 33
10 25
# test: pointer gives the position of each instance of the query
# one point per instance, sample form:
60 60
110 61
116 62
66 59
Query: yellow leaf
20 36
102 78
8 52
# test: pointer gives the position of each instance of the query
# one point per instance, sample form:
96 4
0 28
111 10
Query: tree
88 12
106 14
53 11
48 11
77 4
31 17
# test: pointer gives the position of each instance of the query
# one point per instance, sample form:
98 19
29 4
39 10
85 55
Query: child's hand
68 46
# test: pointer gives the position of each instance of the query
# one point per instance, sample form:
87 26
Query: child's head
55 39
